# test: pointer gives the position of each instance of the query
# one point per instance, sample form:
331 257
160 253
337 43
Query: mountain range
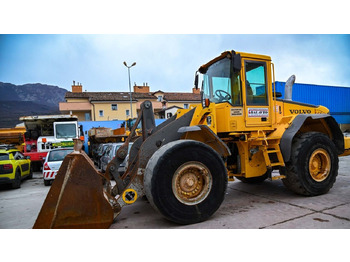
27 100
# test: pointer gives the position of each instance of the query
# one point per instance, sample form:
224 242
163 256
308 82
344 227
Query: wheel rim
192 183
319 165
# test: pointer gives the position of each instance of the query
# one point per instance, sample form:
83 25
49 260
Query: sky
166 62
56 43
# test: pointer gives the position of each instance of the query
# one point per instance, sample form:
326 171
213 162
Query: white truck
47 132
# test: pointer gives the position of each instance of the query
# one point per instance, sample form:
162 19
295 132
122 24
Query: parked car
110 154
95 156
14 166
52 164
101 151
123 166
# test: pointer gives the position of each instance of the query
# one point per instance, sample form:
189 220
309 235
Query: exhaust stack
289 88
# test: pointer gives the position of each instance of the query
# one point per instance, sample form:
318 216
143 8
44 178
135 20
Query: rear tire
17 181
185 181
313 167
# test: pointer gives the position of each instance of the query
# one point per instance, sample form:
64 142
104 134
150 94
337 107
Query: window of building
87 117
114 107
100 112
127 112
160 98
185 106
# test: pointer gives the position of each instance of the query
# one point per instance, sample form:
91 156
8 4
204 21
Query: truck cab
63 134
241 87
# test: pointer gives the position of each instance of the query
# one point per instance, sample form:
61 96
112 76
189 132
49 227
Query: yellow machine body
262 126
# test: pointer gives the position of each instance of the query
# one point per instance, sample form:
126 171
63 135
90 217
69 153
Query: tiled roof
109 96
181 97
124 96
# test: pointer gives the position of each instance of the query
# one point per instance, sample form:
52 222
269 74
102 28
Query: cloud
165 61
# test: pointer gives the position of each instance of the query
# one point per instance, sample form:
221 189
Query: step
272 151
278 177
277 164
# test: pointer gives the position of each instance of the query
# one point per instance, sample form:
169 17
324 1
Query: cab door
256 94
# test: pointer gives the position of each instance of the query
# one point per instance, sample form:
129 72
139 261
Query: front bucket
76 198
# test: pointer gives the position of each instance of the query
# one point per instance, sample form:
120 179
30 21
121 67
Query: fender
204 134
287 138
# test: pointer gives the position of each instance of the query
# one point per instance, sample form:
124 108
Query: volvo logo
300 111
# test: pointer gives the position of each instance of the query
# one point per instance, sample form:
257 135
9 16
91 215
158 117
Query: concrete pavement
266 206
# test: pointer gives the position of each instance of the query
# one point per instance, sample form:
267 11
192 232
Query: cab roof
229 54
256 56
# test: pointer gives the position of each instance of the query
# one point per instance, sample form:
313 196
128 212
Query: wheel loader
242 130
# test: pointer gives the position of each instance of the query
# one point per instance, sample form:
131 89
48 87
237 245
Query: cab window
217 82
256 83
66 131
221 84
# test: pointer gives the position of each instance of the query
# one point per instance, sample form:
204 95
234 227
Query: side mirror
236 62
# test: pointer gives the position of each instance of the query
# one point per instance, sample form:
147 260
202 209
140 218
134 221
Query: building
104 106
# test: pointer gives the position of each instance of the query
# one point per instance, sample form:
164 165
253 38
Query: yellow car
14 166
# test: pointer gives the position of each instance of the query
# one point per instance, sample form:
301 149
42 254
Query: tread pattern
295 180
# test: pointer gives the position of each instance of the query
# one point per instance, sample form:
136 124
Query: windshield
116 149
118 146
219 85
103 150
66 131
131 123
59 155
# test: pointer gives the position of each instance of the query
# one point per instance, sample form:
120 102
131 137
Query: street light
130 84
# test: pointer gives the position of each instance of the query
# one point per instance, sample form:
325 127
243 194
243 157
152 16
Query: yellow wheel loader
242 130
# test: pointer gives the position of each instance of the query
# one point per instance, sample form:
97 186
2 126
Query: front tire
313 167
185 181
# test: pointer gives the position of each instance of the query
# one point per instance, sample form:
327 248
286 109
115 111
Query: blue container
335 98
87 125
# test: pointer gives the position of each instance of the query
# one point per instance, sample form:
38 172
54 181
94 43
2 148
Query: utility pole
130 84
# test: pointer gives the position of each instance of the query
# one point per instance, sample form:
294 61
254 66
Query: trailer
13 136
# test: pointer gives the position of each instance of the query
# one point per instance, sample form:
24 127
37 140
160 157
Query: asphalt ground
284 216
265 206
